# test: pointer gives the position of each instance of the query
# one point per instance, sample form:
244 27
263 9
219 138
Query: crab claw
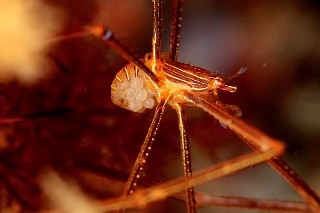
228 88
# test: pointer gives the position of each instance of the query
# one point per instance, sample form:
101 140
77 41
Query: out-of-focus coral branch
24 28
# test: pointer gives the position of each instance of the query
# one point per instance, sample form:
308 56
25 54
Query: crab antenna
237 74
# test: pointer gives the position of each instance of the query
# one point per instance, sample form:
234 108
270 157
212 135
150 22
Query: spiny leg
156 193
146 146
144 151
176 23
255 138
296 182
289 174
207 200
259 141
186 156
157 27
106 35
293 179
160 192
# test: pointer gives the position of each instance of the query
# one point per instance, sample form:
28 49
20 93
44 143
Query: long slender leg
107 36
255 138
259 141
206 200
294 180
157 27
176 23
186 156
142 197
144 151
